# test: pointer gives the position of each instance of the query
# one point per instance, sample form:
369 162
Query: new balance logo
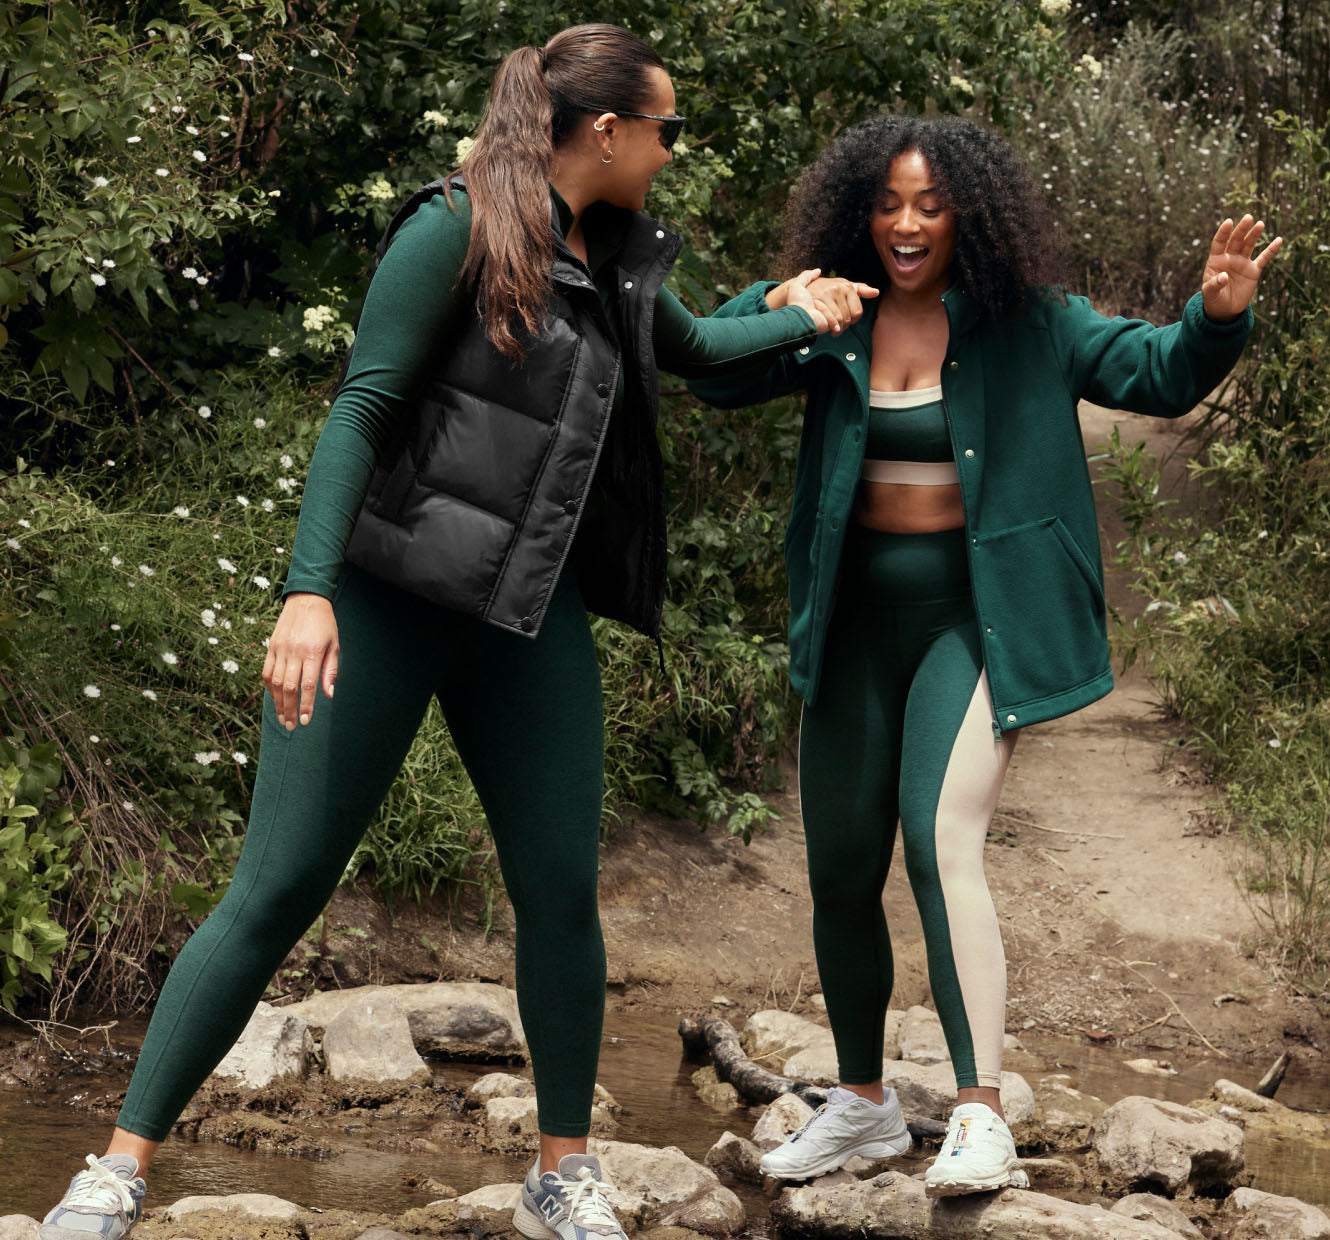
551 1208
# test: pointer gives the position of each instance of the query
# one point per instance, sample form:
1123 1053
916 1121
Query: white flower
97 278
133 138
380 191
274 193
95 739
24 523
274 351
205 411
145 570
180 510
1263 534
1092 66
285 461
91 691
116 561
245 56
169 658
160 172
242 758
208 617
176 108
262 582
1179 557
13 544
230 665
225 565
259 424
201 280
115 628
110 462
108 262
1054 8
251 619
199 155
959 83
192 130
193 303
267 505
1275 742
206 757
189 273
464 148
129 805
435 117
222 116
286 484
148 693
242 501
100 182
316 318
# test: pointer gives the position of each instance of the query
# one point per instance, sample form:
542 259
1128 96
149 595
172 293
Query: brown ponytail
535 100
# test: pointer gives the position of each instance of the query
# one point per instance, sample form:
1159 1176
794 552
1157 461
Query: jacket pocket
1041 604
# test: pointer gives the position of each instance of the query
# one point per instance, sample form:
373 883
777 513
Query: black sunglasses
670 126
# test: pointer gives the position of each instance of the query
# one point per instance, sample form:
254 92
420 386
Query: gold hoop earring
603 160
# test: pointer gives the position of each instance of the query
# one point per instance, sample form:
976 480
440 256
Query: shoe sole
1013 1177
531 1224
868 1149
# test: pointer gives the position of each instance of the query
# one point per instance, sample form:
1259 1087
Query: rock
254 1207
818 1002
370 1040
1052 1174
1147 1206
1243 1099
891 1034
772 1036
491 1199
382 1233
734 1158
781 1118
1253 1215
18 1227
1151 1067
498 1085
1010 1042
718 1094
666 1188
921 1039
1166 1144
1066 1116
892 1206
511 1124
815 1062
274 1044
459 1020
930 1089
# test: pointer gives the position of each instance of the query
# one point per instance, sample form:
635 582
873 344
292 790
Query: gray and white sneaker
977 1156
104 1201
568 1204
845 1126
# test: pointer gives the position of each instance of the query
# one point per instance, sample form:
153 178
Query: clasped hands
833 303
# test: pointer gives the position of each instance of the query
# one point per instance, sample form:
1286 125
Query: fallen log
715 1036
1271 1081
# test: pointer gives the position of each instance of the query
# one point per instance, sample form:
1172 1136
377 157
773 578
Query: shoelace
825 1109
99 1188
586 1204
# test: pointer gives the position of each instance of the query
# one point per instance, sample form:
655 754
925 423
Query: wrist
778 296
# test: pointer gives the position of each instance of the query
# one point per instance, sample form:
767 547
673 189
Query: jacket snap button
804 351
849 357
955 365
602 389
1011 718
628 284
571 509
527 624
835 524
988 630
969 452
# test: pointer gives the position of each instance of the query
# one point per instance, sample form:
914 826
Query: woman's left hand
1231 273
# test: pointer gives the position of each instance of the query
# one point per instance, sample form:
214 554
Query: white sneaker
844 1127
977 1156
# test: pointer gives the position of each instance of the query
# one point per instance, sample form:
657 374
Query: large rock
772 1036
1148 1139
511 1124
715 1093
1148 1207
249 1207
370 1040
457 1020
733 1158
665 1188
930 1090
921 1039
816 1063
783 1116
893 1206
490 1199
1066 1116
498 1085
275 1043
18 1227
1252 1215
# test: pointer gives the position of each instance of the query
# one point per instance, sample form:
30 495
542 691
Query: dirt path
1122 917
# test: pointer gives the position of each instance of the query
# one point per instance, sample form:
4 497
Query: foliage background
189 194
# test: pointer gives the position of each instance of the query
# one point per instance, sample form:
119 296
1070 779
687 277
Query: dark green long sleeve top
398 333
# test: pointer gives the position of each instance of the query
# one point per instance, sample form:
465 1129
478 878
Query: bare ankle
872 1092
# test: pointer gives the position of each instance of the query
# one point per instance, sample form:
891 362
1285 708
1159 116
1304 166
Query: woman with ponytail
489 474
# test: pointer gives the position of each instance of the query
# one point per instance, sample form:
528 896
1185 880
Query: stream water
44 1133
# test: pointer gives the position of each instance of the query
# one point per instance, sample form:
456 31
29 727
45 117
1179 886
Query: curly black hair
1007 243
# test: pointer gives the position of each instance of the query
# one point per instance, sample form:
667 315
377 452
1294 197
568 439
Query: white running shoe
977 1156
568 1204
844 1127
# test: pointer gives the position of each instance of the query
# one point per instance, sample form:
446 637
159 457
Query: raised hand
1231 273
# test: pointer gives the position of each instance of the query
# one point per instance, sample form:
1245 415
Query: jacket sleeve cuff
1195 317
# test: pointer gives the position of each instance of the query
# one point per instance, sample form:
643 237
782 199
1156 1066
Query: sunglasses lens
669 133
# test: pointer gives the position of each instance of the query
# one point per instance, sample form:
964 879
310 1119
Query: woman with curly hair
945 581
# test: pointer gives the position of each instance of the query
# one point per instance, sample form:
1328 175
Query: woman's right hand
302 652
832 302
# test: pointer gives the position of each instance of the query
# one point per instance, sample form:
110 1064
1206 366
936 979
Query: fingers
866 290
1269 252
330 664
807 277
302 651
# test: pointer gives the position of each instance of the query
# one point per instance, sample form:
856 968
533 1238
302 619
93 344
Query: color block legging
902 729
527 720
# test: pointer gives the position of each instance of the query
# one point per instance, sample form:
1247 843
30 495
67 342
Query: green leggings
902 729
527 719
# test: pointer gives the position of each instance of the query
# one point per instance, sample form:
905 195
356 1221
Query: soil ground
1123 916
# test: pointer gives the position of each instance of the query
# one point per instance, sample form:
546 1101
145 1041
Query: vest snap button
628 284
571 507
660 234
602 389
527 624
849 357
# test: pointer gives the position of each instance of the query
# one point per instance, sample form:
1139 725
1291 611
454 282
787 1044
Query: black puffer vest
478 496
